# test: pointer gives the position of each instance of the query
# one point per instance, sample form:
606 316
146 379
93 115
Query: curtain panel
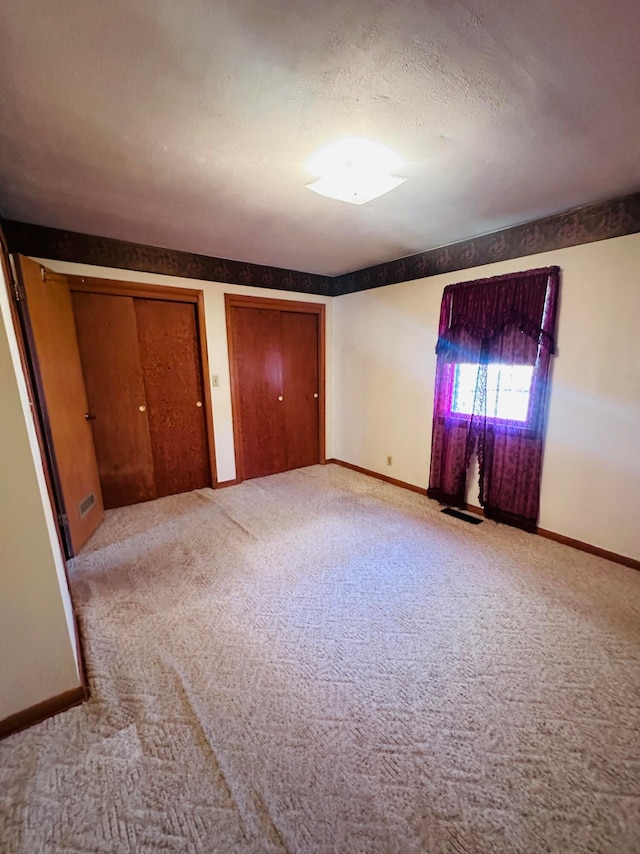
494 327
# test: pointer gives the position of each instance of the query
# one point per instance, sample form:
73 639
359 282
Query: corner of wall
37 632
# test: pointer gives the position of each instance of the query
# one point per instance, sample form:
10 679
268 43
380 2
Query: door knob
280 397
142 407
90 416
198 403
315 394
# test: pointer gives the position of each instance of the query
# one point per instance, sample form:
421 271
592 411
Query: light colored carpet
319 662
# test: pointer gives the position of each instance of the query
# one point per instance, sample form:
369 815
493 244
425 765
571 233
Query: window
496 338
507 395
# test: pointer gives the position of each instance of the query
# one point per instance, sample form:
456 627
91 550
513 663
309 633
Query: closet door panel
256 335
170 358
300 388
47 312
108 341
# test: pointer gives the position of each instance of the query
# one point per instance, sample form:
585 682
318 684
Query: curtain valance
479 312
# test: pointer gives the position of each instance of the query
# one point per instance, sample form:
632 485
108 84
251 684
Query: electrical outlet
389 461
215 380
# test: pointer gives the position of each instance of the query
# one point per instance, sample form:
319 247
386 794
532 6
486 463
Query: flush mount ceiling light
354 170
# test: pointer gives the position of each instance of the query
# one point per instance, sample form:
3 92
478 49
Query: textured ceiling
187 125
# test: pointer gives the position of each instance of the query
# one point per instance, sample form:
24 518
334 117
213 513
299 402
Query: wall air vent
86 504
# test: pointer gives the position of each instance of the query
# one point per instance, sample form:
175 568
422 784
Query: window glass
508 388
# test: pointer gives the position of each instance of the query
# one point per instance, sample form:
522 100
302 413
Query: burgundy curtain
506 320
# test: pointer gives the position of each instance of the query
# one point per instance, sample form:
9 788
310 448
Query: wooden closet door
51 331
299 336
170 358
108 340
257 356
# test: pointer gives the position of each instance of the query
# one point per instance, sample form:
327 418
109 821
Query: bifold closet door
275 373
300 388
258 370
108 340
169 352
141 366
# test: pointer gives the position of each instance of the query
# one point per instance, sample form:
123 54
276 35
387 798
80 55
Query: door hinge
15 279
18 289
63 519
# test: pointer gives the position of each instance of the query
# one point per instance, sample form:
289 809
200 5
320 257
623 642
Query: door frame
167 293
319 309
37 401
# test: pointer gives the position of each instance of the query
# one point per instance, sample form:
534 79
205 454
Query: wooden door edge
14 287
235 402
201 331
322 412
31 371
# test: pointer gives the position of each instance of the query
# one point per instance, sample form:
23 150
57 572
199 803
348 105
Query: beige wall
217 345
38 655
384 372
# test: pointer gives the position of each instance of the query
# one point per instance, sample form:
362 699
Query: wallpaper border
586 224
59 245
